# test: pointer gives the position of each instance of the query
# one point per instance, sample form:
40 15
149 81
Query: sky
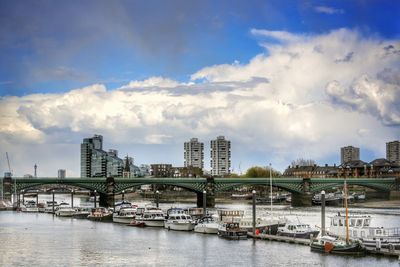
281 79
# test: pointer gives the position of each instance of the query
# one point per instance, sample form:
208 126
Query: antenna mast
8 162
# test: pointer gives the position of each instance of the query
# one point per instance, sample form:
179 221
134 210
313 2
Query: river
38 239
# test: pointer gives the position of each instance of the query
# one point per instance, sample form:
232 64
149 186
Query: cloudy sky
280 79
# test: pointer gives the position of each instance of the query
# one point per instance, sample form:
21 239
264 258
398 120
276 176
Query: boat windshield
367 222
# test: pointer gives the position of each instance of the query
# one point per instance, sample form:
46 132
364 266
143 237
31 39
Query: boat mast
347 211
270 184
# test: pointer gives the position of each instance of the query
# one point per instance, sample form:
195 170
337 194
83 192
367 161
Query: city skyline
280 80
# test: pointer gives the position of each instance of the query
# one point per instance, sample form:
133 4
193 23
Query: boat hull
123 219
204 229
241 235
179 226
153 223
105 218
305 235
354 249
65 213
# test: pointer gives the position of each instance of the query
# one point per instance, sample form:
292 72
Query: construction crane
8 162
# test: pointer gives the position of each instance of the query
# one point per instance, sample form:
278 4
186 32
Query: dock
306 242
286 239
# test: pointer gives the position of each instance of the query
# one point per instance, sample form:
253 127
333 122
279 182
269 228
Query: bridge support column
377 194
395 194
107 199
210 194
304 199
7 187
301 200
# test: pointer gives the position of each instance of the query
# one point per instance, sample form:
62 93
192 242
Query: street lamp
123 195
157 198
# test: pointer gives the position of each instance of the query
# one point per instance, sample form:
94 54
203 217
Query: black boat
328 244
231 230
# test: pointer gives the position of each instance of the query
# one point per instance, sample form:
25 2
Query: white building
349 153
194 153
393 151
220 156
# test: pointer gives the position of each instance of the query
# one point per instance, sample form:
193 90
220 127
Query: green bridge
301 189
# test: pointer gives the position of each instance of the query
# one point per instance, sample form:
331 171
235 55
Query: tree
302 162
257 171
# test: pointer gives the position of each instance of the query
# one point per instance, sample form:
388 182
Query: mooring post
254 213
52 192
157 198
37 197
322 213
95 198
123 195
23 197
72 198
204 203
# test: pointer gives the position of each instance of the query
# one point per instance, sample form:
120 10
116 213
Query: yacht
150 216
30 206
124 215
331 199
81 213
360 229
178 220
50 205
207 225
298 230
100 214
64 210
122 205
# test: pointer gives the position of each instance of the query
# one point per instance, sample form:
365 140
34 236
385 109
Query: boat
124 215
331 199
50 205
245 196
41 207
298 230
266 225
206 225
136 223
231 230
122 205
100 214
30 206
329 244
151 216
360 229
64 210
178 220
335 245
81 213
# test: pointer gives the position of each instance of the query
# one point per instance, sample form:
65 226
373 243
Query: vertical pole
37 197
23 197
254 213
18 200
270 184
52 192
157 198
204 203
2 197
322 213
123 195
72 198
347 211
95 198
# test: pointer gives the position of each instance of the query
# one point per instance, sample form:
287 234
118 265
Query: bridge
301 189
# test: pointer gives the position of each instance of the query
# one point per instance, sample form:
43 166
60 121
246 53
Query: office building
349 153
61 174
393 152
95 162
220 156
194 154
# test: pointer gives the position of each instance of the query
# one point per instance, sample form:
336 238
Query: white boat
360 229
298 230
152 217
64 210
124 215
207 225
178 220
30 206
122 205
49 206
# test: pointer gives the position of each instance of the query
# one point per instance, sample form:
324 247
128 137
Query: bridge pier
301 200
7 187
107 199
210 200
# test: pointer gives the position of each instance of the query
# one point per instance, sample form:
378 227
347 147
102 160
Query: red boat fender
328 247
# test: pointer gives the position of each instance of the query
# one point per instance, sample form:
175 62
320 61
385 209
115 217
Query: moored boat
329 244
124 215
30 206
153 217
207 225
231 230
298 230
64 210
100 214
81 213
267 225
178 220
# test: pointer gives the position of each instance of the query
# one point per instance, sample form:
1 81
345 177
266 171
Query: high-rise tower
194 153
220 156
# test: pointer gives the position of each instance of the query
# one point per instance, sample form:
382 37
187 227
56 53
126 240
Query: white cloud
328 10
305 97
